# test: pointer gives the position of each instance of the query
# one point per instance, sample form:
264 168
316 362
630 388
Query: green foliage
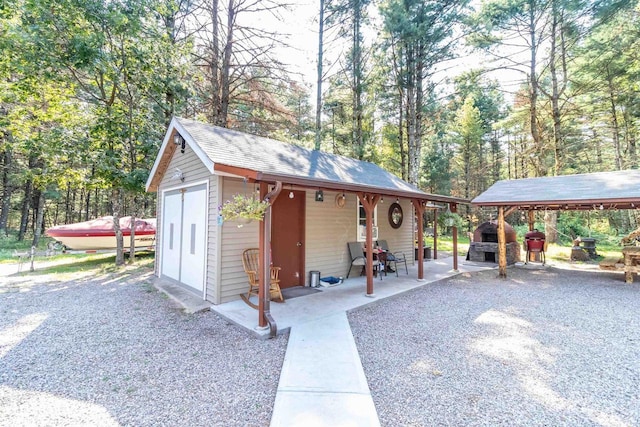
241 206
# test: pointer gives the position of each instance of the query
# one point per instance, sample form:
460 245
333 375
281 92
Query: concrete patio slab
344 297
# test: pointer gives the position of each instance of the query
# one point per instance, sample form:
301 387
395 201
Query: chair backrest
355 250
250 259
383 244
535 245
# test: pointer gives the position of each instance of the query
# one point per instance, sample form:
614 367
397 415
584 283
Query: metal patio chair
394 257
359 260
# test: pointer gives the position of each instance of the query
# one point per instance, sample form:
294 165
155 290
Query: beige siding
233 280
329 229
193 171
400 239
212 290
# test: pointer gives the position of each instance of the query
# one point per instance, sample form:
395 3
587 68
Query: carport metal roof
600 190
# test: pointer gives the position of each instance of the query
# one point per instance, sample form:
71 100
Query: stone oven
484 247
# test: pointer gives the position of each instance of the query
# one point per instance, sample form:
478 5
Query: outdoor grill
484 247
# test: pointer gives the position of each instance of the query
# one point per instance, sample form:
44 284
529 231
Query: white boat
98 234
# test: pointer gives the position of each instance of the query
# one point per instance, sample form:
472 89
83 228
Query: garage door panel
194 238
171 228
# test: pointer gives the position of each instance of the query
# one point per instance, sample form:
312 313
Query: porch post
454 207
435 234
264 245
502 245
419 207
532 221
369 202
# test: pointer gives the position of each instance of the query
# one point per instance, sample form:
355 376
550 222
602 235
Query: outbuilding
318 203
614 190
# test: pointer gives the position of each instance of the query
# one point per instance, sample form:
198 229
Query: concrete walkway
322 382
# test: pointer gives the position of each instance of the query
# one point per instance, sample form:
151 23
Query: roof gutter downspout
264 294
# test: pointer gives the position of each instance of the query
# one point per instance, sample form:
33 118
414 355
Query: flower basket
243 209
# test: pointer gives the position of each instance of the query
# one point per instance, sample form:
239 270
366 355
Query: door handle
299 244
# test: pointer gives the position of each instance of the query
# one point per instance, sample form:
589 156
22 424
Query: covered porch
346 296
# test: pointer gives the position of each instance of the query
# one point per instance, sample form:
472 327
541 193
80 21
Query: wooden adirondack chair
250 261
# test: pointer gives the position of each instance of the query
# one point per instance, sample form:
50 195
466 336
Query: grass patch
94 263
10 244
605 248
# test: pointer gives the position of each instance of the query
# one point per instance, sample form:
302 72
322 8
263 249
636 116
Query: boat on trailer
98 234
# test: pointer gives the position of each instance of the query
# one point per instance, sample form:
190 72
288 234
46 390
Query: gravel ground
108 350
546 347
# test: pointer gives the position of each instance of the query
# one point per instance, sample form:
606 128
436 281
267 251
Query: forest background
447 94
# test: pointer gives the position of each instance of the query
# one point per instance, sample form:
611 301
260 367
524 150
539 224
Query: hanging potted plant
243 208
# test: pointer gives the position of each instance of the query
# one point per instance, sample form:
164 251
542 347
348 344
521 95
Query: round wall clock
341 200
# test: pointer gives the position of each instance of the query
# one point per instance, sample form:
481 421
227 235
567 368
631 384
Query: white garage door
184 236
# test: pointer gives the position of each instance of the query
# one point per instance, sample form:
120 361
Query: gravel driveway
543 348
108 350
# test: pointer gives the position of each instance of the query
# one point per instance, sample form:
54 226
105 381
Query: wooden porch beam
435 234
532 220
454 208
511 210
419 207
369 202
502 245
264 245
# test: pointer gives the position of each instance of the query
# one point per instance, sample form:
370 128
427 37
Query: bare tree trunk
630 138
417 155
7 189
39 215
533 79
319 81
215 64
116 204
413 172
614 122
357 83
555 95
550 222
403 155
222 116
26 203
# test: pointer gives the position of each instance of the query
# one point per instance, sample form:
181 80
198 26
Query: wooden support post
435 234
502 245
264 245
419 207
263 290
369 202
532 220
453 207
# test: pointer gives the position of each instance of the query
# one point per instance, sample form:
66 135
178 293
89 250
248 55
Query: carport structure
589 191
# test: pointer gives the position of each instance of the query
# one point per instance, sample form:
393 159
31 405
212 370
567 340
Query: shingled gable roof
265 159
612 190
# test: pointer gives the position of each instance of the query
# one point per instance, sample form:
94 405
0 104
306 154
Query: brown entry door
287 237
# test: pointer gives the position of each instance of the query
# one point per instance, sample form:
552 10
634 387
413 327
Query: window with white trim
362 223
